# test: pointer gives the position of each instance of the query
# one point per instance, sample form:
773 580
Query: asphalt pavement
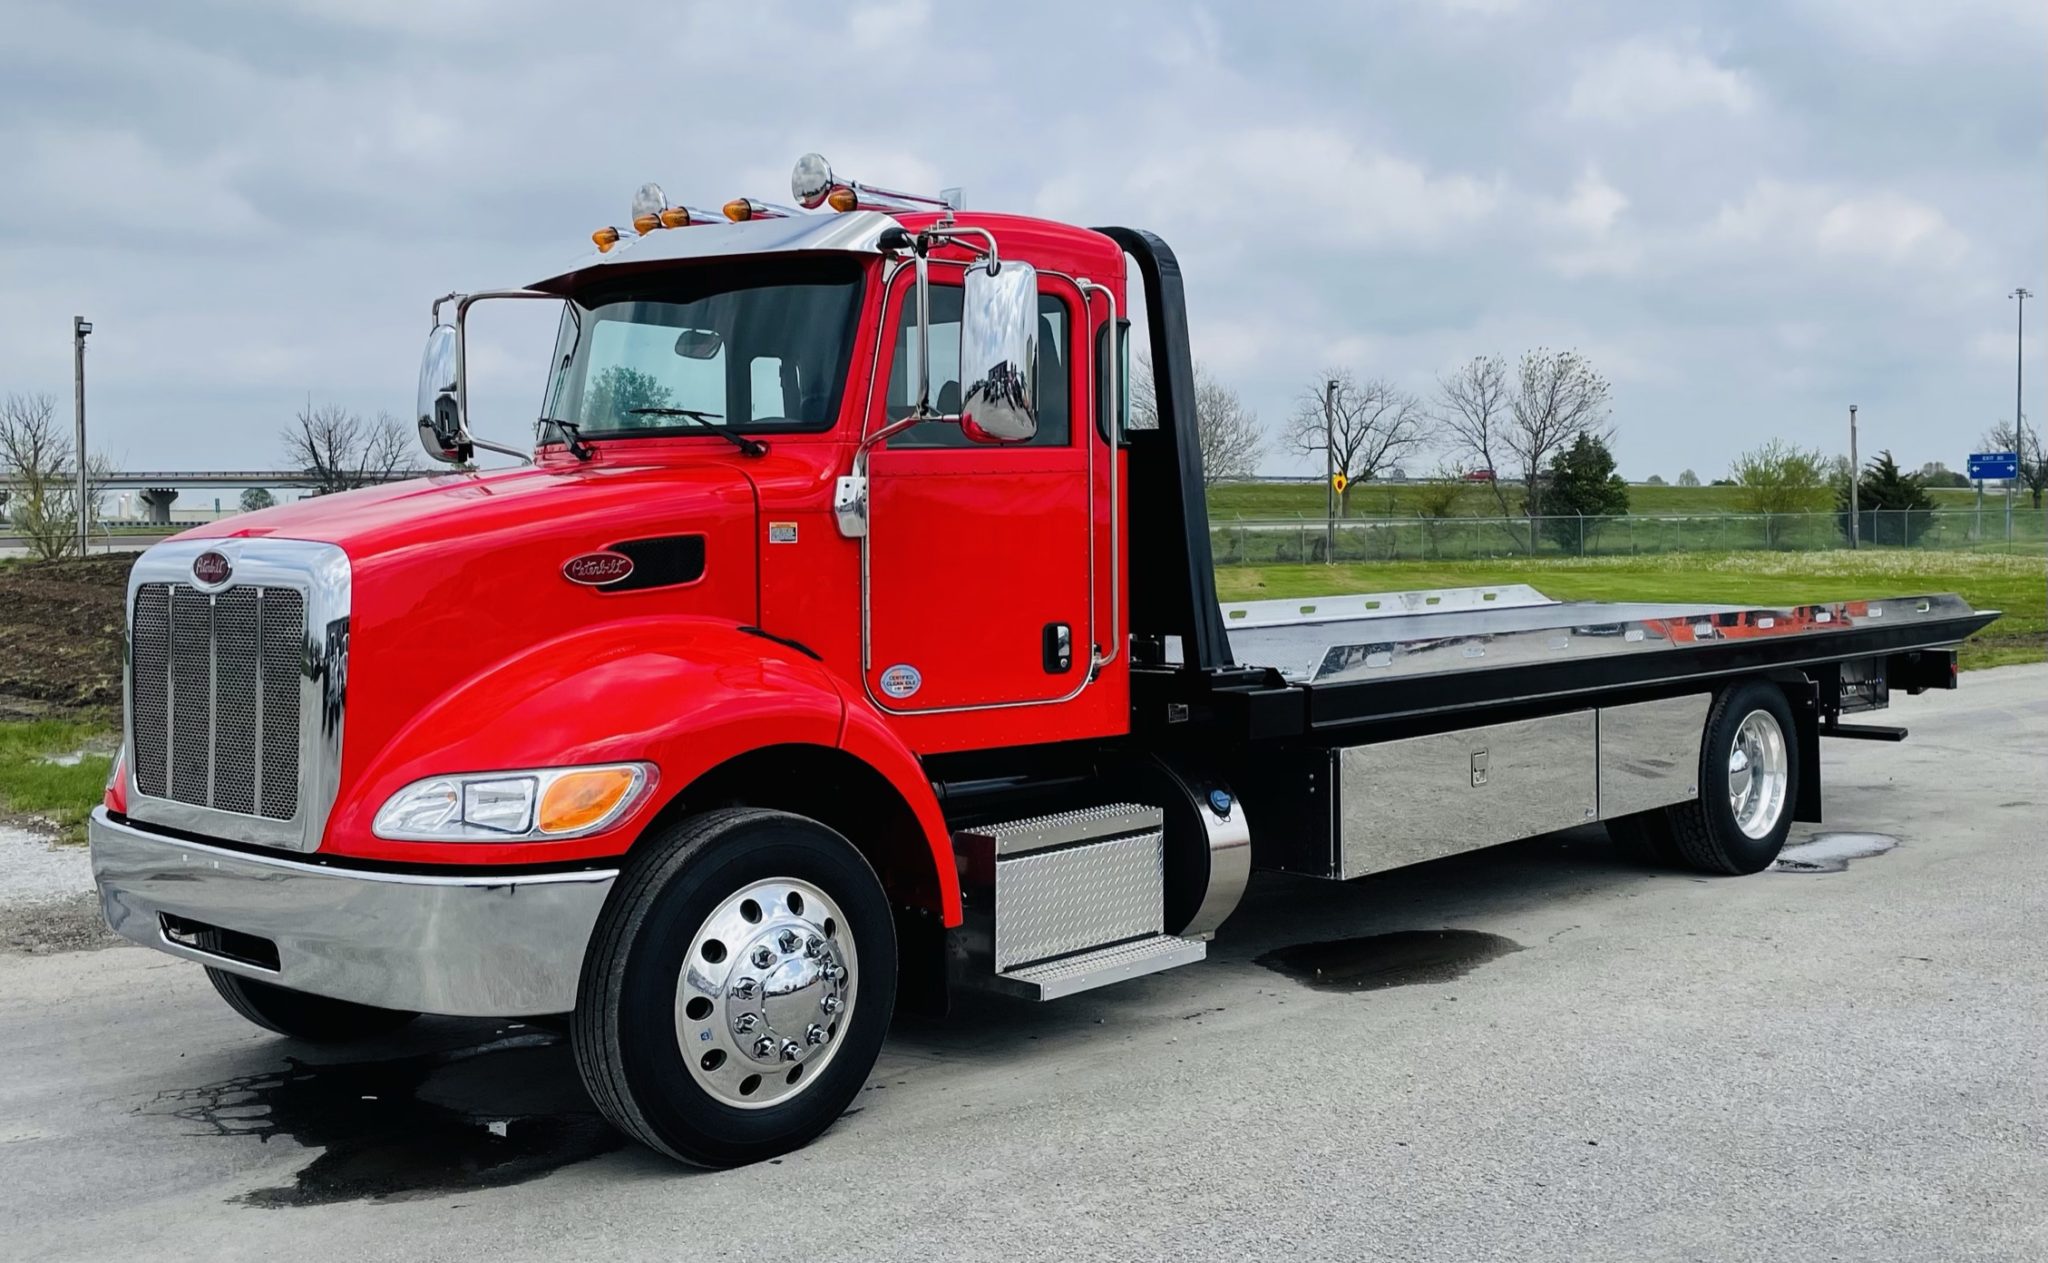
1839 1060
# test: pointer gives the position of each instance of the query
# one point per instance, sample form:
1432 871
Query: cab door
978 554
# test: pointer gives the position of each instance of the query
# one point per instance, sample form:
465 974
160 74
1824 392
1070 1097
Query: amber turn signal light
577 800
842 199
675 217
739 210
604 239
644 224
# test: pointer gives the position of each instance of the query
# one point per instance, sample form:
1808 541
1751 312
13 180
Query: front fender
684 693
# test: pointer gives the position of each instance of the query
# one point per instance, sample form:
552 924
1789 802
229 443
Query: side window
1054 346
774 388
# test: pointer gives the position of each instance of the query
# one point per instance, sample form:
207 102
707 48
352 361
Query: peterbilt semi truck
838 645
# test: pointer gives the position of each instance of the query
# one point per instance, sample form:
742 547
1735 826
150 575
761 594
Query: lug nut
744 989
788 940
829 1004
814 946
764 956
791 1050
831 971
764 1048
745 1022
815 1034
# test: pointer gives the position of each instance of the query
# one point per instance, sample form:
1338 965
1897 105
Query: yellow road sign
1339 482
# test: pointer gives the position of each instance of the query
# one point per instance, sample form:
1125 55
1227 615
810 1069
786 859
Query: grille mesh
216 696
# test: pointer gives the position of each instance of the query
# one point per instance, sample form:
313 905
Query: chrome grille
216 697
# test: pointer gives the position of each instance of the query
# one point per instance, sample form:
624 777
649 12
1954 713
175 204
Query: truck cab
837 643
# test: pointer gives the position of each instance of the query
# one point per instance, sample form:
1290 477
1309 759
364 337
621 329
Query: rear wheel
315 1019
1749 779
738 987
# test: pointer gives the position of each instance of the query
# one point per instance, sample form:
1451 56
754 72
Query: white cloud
1777 217
1644 78
1354 196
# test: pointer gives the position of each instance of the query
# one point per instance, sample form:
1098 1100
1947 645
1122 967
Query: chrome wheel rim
766 992
1759 773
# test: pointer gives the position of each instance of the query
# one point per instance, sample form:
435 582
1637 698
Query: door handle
1056 646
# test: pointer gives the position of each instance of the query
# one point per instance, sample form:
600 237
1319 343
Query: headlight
547 803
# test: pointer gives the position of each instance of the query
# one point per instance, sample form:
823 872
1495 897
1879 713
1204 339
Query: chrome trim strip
321 574
489 945
1114 429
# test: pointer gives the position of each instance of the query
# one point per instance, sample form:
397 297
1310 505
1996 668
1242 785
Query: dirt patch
60 637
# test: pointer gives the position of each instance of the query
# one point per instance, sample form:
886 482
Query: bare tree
1558 397
1473 411
1230 434
1370 427
40 465
1516 426
2021 439
339 451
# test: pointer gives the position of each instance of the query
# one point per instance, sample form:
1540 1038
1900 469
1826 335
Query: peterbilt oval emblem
597 569
211 569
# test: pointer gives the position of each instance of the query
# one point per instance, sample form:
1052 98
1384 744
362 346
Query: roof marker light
604 239
813 185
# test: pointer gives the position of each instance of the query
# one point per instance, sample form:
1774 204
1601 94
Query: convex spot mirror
440 429
999 353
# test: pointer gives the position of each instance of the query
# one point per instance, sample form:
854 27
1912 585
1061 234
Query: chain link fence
1250 541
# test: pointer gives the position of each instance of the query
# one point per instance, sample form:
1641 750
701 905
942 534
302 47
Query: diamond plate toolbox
1067 882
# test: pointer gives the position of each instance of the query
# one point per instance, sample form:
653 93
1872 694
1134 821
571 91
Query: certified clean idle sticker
782 532
901 680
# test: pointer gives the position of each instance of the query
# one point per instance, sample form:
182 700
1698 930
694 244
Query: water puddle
1831 852
1377 961
495 1114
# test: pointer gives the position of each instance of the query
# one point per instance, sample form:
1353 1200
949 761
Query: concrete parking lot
1841 1060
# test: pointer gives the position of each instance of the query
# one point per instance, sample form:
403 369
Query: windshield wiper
750 446
572 435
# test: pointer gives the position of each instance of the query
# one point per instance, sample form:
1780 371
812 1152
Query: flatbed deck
1377 657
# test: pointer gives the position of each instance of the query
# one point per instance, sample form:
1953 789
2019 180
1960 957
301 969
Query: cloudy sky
1748 215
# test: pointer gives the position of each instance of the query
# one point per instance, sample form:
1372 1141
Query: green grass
2017 585
1294 499
32 783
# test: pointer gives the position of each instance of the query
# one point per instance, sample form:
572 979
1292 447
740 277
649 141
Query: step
1085 971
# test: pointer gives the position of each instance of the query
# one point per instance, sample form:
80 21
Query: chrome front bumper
474 946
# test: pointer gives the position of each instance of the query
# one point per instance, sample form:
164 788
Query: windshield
759 348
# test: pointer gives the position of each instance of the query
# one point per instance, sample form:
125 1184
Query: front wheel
1749 779
737 988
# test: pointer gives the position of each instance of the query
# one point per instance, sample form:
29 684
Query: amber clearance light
578 800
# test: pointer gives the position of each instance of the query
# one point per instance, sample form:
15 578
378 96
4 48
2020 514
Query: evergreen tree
1893 504
1582 484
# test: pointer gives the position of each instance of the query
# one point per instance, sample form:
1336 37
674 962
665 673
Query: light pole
2019 416
80 327
1855 510
1330 472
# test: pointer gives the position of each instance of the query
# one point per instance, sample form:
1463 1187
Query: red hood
549 499
455 573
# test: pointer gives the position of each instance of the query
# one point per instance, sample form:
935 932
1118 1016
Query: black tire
1704 831
624 1029
1645 838
298 1015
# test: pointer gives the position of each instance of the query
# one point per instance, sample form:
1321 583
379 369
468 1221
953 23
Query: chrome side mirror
439 415
999 353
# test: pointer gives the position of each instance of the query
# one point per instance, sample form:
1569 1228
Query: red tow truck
841 645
